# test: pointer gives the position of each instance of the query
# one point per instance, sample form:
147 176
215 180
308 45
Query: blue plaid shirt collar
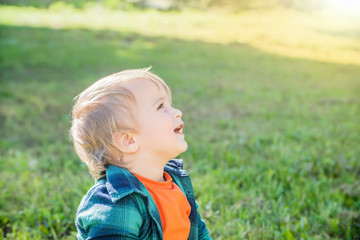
120 182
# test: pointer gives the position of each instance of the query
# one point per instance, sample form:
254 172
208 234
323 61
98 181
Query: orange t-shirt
173 207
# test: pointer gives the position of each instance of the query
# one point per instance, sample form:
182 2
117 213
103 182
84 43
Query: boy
127 132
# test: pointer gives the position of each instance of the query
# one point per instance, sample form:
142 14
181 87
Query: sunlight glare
345 6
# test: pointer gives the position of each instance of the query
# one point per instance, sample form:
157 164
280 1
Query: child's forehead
146 89
142 85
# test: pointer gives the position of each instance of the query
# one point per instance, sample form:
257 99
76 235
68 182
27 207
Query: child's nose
178 113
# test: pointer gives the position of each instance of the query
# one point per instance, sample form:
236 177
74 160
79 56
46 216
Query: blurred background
269 91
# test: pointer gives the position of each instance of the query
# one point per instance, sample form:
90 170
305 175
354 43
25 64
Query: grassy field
270 100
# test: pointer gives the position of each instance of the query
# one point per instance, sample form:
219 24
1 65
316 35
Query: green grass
272 122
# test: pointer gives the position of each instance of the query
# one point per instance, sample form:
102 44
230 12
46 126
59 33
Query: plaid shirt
120 207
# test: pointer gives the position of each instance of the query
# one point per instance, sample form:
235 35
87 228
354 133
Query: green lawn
270 101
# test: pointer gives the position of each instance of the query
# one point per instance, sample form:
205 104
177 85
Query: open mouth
179 129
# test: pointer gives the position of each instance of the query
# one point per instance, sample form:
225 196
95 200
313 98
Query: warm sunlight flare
345 6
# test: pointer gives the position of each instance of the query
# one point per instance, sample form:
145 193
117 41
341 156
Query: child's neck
153 173
144 164
148 167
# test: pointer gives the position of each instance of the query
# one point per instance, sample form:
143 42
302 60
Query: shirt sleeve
202 230
100 218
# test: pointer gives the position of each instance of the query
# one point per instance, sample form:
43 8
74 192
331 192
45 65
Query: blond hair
103 109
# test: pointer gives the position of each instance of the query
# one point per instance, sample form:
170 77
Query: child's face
159 125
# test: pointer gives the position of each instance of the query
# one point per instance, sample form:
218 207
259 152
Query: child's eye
160 106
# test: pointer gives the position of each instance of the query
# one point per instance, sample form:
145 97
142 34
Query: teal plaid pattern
119 206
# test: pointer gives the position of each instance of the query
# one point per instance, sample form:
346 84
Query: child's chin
184 147
181 149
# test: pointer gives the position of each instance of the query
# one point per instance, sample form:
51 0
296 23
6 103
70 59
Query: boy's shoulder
104 209
118 184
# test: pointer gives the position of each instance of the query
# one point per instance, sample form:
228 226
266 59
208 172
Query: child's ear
125 142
